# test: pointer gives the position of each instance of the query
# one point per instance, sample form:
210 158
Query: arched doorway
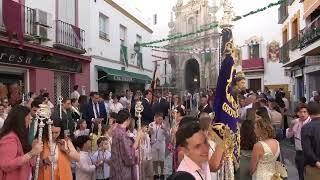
192 75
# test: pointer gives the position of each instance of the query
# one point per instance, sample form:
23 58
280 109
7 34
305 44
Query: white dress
266 165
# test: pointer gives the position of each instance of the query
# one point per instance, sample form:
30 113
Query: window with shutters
254 51
103 26
123 35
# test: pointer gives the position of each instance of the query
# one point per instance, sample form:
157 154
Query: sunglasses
5 102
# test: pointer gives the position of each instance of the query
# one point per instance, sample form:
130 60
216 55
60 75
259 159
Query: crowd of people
99 138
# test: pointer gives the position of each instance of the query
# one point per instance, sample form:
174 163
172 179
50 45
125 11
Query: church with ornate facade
197 69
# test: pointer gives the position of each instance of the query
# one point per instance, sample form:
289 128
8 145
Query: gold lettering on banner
11 57
231 112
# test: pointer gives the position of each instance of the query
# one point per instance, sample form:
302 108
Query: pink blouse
11 159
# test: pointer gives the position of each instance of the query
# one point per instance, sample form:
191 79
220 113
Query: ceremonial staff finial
139 108
60 99
42 114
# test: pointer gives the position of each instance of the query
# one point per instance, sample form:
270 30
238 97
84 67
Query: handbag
281 170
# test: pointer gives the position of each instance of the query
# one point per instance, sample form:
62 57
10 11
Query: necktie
96 108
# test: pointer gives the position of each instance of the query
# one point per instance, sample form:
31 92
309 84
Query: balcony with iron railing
69 37
283 12
294 43
310 34
284 53
23 19
253 64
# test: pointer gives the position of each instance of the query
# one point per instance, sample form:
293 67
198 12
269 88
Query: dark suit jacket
207 109
88 113
147 113
162 106
68 122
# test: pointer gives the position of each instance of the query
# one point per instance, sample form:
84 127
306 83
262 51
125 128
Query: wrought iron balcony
310 33
284 53
26 24
69 37
294 43
283 12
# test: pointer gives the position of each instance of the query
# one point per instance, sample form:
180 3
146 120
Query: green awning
124 76
140 78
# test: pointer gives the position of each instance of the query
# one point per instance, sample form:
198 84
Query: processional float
225 130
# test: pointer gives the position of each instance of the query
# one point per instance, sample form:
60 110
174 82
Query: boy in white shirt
102 156
85 168
158 132
82 131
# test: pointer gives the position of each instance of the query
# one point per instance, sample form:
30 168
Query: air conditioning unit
43 18
41 32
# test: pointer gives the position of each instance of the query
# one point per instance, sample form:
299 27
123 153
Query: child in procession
159 132
102 157
82 131
86 167
146 153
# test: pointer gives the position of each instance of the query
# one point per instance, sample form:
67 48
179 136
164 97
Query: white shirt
212 144
146 148
75 95
244 112
124 101
102 172
94 110
116 107
158 136
79 132
199 173
286 103
296 132
85 170
2 119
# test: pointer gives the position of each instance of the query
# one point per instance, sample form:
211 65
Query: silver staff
41 115
139 108
60 99
169 110
52 151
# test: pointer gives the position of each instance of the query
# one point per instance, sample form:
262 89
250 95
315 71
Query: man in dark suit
94 109
147 114
204 106
160 105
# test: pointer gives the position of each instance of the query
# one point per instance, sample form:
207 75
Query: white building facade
300 48
113 28
259 60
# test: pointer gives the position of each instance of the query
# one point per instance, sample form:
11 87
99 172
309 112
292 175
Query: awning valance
124 76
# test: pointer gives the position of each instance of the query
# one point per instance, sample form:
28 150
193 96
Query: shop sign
28 58
122 78
312 60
